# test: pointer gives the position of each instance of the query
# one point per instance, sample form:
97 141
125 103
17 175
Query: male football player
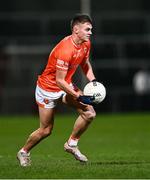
55 84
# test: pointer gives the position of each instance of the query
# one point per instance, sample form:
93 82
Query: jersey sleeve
63 56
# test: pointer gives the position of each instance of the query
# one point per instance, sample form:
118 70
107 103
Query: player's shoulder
64 44
63 49
66 40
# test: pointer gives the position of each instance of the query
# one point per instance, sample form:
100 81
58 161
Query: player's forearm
88 71
67 88
90 75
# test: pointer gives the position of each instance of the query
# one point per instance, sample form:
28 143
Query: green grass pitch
117 145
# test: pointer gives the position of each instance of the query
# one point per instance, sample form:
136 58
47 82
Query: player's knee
89 115
92 115
46 131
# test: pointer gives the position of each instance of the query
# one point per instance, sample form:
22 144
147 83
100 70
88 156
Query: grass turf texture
118 146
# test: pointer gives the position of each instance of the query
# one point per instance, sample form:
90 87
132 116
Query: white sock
73 142
23 150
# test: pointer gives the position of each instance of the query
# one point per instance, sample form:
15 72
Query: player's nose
90 32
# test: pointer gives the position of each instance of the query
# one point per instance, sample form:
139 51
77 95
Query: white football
95 89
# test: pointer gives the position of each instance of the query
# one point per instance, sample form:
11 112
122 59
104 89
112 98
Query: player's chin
86 39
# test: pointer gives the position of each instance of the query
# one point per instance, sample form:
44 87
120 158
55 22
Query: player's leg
87 114
47 102
46 125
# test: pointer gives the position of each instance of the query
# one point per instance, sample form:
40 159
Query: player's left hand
86 99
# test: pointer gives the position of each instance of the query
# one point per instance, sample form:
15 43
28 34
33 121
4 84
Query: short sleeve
63 55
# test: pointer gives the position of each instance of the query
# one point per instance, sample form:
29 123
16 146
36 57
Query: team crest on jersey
46 101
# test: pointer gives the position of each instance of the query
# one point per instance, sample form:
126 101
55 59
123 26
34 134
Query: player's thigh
70 101
81 108
46 117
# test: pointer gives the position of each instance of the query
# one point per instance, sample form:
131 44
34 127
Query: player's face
84 31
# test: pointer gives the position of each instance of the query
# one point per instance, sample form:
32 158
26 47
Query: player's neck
76 40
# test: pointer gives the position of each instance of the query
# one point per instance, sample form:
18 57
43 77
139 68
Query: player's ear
76 29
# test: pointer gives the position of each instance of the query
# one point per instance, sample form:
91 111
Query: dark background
120 50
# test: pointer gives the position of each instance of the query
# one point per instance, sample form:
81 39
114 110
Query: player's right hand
86 99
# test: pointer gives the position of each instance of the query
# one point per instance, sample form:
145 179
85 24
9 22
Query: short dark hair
80 18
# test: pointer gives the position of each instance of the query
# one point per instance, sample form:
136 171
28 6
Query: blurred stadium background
120 50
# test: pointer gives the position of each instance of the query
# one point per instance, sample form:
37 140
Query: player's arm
60 80
88 71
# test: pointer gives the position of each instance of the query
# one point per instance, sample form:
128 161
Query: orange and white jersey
66 56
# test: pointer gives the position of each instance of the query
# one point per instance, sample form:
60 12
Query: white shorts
47 99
